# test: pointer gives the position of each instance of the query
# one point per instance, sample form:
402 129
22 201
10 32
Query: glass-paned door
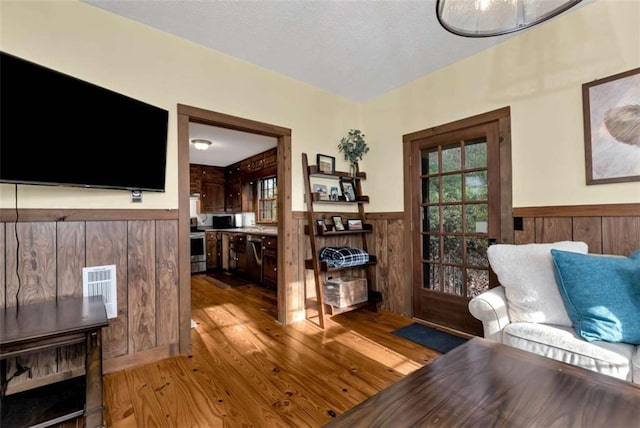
458 215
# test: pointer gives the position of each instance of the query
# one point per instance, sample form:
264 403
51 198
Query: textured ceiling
359 49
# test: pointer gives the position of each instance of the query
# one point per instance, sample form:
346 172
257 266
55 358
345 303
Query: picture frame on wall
348 188
611 109
321 224
326 163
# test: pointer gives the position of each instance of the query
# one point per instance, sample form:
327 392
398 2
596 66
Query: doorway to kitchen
189 114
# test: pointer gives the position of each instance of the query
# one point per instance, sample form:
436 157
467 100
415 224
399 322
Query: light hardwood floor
246 369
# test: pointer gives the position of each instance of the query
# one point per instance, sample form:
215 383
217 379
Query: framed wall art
326 164
611 108
348 187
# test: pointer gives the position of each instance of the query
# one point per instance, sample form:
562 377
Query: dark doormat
226 280
430 337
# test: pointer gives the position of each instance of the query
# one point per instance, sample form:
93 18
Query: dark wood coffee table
487 384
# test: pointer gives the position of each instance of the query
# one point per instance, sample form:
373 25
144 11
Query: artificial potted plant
353 147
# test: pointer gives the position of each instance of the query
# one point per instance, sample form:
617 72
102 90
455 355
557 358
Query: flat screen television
56 129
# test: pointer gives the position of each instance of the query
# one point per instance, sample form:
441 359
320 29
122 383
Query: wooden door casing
435 305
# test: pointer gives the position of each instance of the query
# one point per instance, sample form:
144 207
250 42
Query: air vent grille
101 281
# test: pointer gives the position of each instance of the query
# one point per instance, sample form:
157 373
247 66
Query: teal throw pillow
601 294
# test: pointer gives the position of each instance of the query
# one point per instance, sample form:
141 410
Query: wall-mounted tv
56 129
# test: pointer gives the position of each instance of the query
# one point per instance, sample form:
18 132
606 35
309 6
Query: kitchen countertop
267 231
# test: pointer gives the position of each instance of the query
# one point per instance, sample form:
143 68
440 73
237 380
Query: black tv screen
56 129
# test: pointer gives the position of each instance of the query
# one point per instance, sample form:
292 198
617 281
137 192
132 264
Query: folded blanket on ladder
336 257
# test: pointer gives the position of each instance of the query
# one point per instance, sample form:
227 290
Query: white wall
539 73
164 70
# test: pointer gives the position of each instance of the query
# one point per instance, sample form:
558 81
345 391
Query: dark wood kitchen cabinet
195 178
212 190
233 188
213 250
238 253
270 261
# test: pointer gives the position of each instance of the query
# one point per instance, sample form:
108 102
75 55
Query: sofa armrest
490 307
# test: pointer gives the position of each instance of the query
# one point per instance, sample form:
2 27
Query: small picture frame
322 190
333 194
326 164
337 222
354 224
348 187
321 224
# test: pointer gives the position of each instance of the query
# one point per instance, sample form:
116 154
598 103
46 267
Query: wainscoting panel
616 231
42 257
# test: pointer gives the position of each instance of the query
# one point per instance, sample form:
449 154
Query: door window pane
431 190
477 282
452 252
430 161
453 282
431 275
475 186
431 222
451 159
475 155
452 218
431 248
477 252
452 188
477 218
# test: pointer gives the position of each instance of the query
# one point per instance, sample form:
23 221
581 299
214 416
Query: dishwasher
254 259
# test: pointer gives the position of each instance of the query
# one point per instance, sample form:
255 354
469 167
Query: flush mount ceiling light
484 18
201 144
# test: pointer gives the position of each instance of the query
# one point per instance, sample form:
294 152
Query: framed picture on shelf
337 222
333 195
354 224
348 187
322 190
326 164
322 225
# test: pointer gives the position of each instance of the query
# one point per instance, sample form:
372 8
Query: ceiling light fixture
201 144
485 18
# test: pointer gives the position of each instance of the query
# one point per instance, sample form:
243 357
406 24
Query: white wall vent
101 281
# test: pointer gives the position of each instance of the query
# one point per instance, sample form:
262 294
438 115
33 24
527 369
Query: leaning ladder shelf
316 233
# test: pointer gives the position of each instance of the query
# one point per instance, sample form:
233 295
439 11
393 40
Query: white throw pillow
527 274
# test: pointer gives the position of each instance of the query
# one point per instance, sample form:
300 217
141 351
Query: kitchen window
267 200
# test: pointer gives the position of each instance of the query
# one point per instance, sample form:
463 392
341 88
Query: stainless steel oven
198 252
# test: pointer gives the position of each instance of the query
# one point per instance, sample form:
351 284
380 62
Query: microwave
222 222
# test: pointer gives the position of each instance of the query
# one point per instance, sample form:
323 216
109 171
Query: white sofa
527 312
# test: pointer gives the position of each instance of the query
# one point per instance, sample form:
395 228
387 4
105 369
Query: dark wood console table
41 326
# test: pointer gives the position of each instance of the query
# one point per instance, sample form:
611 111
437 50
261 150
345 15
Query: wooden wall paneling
621 235
106 244
378 246
167 266
3 253
528 233
589 230
70 257
295 288
554 229
36 273
399 294
142 285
